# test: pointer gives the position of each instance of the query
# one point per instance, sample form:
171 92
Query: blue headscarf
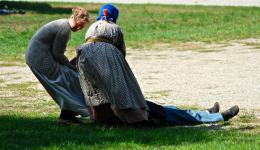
108 12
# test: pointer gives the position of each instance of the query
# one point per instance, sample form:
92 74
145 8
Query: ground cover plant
143 25
28 115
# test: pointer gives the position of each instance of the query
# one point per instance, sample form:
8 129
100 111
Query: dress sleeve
59 46
121 42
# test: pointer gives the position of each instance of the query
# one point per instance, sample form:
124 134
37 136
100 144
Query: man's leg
178 116
181 117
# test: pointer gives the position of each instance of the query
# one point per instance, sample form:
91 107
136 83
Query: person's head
108 12
78 19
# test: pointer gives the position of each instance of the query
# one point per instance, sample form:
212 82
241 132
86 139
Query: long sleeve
59 46
121 43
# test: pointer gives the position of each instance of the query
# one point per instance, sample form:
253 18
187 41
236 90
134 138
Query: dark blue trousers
175 116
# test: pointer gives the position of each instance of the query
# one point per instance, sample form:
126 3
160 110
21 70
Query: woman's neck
72 24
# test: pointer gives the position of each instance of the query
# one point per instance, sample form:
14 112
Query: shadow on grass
17 132
39 7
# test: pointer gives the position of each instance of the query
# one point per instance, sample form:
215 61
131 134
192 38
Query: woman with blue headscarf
107 81
111 89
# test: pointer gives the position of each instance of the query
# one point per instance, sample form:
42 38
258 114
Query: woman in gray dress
46 59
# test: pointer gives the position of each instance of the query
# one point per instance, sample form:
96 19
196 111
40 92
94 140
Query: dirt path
231 76
227 74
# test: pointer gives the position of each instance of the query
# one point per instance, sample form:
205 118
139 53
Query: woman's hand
73 61
73 64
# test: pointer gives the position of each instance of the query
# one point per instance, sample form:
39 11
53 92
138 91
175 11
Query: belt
99 39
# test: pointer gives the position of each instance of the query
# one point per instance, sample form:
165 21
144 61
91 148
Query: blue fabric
176 116
156 112
112 13
64 89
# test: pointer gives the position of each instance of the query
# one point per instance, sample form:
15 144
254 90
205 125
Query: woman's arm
59 46
121 43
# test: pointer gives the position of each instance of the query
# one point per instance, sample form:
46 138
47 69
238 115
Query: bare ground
192 74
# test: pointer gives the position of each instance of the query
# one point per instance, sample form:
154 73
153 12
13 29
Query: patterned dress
106 77
45 57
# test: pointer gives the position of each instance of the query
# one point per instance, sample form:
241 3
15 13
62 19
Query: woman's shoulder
103 23
59 22
103 28
61 25
63 20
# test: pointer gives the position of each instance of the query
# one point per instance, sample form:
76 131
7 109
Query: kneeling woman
45 57
111 88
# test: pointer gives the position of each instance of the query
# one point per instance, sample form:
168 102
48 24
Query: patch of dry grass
157 94
12 61
24 98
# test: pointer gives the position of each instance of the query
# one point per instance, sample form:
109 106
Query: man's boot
230 113
214 109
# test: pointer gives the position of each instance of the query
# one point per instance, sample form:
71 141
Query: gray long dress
105 75
45 57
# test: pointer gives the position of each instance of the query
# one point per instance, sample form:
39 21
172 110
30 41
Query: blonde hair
80 14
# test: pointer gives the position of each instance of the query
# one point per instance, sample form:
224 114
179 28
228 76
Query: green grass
34 132
255 45
157 94
247 117
143 25
28 120
28 115
23 89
